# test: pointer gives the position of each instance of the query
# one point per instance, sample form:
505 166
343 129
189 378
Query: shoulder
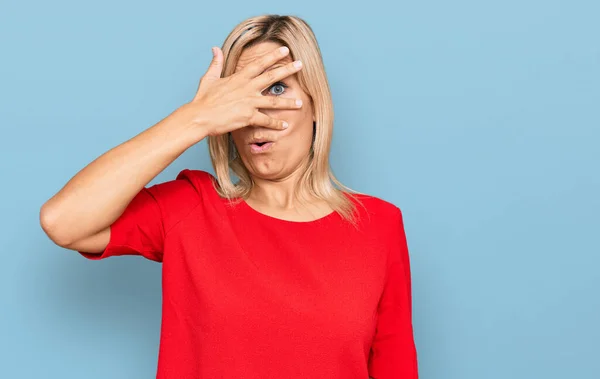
377 215
187 186
176 198
383 220
201 181
377 207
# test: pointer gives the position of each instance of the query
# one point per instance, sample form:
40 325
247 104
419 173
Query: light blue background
479 119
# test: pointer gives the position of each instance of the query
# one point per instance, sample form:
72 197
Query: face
288 149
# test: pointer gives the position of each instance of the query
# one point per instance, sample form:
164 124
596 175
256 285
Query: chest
256 280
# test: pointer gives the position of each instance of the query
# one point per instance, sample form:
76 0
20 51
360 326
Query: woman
283 274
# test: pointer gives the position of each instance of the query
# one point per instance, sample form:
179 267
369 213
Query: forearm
98 194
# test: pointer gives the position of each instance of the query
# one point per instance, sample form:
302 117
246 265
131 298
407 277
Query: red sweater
246 295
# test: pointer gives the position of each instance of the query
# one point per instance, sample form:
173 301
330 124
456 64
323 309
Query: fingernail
298 64
299 102
285 125
284 49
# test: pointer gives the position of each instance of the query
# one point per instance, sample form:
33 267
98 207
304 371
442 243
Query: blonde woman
283 273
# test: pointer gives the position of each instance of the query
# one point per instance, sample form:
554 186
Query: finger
216 65
261 119
274 102
259 65
267 78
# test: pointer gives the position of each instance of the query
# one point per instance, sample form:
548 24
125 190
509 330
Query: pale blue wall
479 119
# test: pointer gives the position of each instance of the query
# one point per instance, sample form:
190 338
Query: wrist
193 121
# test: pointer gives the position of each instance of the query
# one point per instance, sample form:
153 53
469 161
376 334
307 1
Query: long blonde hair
317 179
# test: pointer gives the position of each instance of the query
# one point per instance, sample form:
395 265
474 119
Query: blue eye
279 85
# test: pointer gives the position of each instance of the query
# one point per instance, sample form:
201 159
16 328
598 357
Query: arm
113 180
71 220
393 352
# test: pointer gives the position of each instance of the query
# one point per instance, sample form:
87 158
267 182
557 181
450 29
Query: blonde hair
317 179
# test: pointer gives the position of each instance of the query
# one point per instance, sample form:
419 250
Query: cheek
301 135
238 136
301 118
301 131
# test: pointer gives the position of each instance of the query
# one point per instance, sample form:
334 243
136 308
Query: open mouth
260 146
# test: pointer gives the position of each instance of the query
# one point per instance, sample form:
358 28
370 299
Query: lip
255 149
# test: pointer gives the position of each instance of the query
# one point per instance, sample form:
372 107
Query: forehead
249 54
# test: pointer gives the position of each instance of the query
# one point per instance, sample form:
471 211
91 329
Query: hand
226 104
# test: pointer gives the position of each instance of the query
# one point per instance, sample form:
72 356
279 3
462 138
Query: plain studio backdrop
479 119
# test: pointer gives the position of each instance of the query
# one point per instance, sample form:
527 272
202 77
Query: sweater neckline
275 220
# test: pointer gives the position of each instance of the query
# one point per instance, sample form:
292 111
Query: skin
276 171
114 178
221 105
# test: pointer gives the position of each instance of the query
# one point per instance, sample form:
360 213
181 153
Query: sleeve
393 352
141 228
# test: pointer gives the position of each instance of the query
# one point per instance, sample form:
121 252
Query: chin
265 167
266 171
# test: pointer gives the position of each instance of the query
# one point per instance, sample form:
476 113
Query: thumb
216 65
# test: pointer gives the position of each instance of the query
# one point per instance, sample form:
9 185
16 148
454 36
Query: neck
279 193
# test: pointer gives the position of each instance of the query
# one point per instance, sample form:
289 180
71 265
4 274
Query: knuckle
274 101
